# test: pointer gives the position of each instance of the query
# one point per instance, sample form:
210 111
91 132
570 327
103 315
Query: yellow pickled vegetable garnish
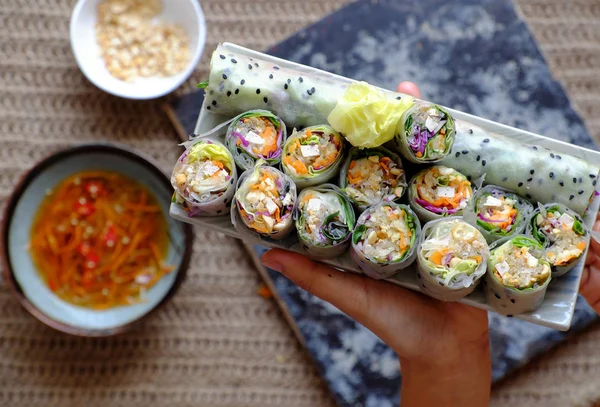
366 116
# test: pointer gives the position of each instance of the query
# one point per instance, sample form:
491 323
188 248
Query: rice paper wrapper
357 153
383 270
427 215
246 159
327 251
438 287
533 172
511 301
523 207
403 138
247 234
218 206
314 177
558 271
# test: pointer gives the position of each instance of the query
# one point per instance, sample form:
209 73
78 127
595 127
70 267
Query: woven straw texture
217 343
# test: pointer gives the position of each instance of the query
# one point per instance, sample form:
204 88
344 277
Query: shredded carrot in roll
99 240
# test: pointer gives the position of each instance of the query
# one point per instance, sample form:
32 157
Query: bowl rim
14 198
189 70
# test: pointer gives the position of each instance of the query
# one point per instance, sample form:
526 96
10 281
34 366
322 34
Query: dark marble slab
473 55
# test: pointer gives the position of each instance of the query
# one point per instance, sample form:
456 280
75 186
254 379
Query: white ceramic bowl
186 13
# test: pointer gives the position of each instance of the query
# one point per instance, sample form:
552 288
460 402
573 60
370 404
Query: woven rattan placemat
217 343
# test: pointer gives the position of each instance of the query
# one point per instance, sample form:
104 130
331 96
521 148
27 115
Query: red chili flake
84 248
82 207
52 285
110 237
93 188
91 260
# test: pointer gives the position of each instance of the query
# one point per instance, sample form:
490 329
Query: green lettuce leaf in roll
533 172
517 277
562 233
313 155
254 135
385 239
439 191
325 220
498 212
204 178
452 258
426 133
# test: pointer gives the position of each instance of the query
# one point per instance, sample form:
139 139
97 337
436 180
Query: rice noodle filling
315 208
372 179
518 268
565 236
312 151
442 190
258 136
388 235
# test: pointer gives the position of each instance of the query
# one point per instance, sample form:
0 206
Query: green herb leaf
358 233
578 228
202 85
334 229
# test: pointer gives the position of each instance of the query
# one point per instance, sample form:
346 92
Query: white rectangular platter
559 304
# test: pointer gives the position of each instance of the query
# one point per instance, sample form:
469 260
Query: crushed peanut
132 46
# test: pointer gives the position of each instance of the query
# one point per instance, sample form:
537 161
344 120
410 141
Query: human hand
590 280
443 347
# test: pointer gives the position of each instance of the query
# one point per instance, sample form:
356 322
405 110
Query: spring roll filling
497 211
454 250
563 233
442 190
387 234
312 151
203 173
518 266
323 219
266 205
372 179
426 129
259 136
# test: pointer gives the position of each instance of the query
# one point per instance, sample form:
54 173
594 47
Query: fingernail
272 264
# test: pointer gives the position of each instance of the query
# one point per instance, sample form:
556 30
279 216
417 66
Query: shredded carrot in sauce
99 240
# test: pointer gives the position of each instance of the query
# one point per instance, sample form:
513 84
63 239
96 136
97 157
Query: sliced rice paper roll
534 172
426 133
313 155
517 276
562 233
372 175
451 258
498 213
438 192
384 240
264 201
204 178
255 135
325 220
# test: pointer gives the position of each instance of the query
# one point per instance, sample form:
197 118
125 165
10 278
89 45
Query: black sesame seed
478 158
465 151
276 67
512 300
552 155
520 184
224 76
486 140
594 182
228 93
309 92
559 157
592 176
509 316
551 175
289 81
271 76
562 184
581 191
249 66
211 92
214 102
504 179
258 91
529 179
527 196
457 153
398 97
571 197
265 99
312 90
234 60
483 162
207 107
532 171
580 180
256 65
242 81
535 148
470 131
285 86
222 56
440 283
300 79
574 180
496 295
237 91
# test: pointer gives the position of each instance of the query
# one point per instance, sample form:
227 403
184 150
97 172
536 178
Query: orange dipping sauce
99 240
